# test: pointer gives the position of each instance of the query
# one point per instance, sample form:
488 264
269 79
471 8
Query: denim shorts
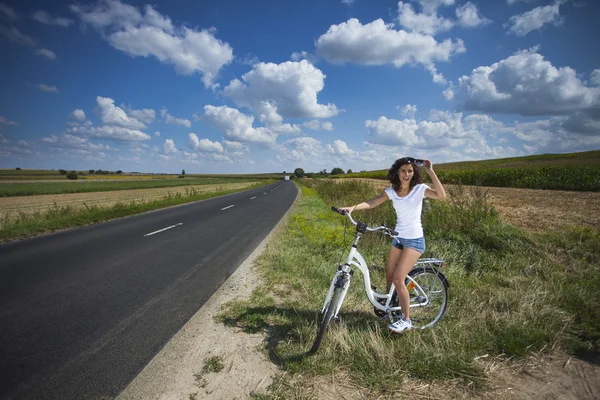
417 244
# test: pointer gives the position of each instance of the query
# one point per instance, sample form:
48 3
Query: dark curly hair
395 179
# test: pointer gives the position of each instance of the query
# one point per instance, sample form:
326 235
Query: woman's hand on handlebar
347 209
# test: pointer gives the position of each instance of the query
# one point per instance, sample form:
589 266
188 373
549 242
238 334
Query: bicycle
427 287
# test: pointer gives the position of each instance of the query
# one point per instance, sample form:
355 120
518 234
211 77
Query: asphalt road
83 311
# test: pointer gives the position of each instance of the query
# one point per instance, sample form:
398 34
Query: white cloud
316 125
237 126
392 131
469 17
68 141
112 133
78 114
526 84
595 77
47 88
145 115
448 94
429 24
377 43
45 18
46 53
348 2
408 110
3 140
267 113
290 87
4 120
526 22
15 36
236 146
153 34
430 6
204 145
8 11
169 119
169 147
304 55
339 147
111 114
157 134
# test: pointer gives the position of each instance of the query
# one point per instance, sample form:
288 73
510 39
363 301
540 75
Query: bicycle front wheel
428 291
326 317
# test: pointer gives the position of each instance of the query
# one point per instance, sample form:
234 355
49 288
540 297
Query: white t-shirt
408 211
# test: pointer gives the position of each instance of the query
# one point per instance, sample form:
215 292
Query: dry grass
31 204
536 210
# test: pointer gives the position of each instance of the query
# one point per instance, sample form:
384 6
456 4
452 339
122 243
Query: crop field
574 171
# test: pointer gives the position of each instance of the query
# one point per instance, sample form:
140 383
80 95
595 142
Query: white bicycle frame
356 259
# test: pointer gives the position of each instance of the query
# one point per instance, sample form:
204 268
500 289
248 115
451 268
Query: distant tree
18 169
299 172
183 172
91 171
62 171
72 175
349 171
310 175
284 172
119 172
337 171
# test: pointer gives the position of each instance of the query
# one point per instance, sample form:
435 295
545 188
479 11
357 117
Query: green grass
61 217
83 186
573 171
512 294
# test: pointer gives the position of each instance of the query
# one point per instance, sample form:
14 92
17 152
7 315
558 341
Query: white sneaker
400 326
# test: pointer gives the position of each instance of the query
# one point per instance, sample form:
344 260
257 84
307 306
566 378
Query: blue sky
269 85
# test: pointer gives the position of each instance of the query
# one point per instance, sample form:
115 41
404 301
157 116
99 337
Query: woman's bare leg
408 258
393 259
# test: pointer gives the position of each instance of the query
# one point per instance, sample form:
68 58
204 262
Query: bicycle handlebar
387 230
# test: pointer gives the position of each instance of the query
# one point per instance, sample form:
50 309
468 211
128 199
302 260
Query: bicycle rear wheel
428 296
326 317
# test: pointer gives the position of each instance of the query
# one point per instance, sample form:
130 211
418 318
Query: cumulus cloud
47 88
204 145
73 142
290 87
111 132
169 147
429 24
408 110
431 6
46 53
317 125
595 77
393 131
303 55
12 34
468 16
340 148
169 119
111 114
47 19
153 34
527 84
535 19
378 43
78 115
237 126
3 140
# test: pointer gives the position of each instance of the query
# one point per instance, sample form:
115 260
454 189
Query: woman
407 193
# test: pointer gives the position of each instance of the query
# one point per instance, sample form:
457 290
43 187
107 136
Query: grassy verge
512 294
62 217
85 186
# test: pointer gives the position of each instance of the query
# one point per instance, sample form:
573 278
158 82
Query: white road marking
265 193
225 208
252 198
164 229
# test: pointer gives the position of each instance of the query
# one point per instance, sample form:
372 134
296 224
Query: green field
573 171
81 186
514 295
